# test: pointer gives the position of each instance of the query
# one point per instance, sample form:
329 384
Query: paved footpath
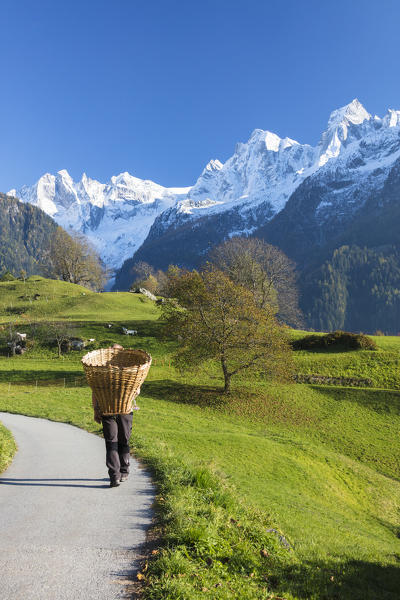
64 534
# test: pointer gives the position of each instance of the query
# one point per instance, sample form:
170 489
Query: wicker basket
115 375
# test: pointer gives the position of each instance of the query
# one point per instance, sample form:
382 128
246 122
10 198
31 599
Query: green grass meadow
317 465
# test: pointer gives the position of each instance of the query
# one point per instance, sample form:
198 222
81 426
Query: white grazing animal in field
126 331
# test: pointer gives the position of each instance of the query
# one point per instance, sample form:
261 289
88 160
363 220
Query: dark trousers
117 431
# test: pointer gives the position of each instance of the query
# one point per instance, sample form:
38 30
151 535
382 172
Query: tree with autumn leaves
213 317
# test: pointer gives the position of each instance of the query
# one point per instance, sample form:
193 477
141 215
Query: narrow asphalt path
64 534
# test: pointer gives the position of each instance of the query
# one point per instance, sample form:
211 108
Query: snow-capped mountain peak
354 155
65 175
116 216
287 143
340 122
126 179
392 118
352 113
212 166
271 141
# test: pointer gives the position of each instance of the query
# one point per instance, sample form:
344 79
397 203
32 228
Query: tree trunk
227 376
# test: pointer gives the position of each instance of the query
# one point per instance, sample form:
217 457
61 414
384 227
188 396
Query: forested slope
24 234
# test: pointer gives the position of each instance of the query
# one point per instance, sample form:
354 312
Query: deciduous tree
73 259
141 271
265 271
58 332
147 277
8 335
215 318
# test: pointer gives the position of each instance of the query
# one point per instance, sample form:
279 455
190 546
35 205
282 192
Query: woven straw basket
115 375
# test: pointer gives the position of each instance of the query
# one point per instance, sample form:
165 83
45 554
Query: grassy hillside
38 298
382 367
319 464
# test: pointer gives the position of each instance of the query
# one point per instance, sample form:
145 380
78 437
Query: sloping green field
43 299
320 463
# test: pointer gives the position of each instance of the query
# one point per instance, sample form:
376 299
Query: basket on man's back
115 376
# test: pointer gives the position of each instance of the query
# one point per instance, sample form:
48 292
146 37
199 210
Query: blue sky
159 87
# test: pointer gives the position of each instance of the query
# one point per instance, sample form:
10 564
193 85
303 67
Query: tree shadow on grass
353 579
182 393
259 407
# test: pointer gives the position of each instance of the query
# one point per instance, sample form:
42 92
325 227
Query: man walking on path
83 550
117 431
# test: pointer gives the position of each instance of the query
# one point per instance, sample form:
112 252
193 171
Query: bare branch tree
58 332
147 277
9 335
142 270
73 259
264 270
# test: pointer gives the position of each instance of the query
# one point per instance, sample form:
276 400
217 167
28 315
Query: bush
335 340
106 343
91 346
15 310
7 276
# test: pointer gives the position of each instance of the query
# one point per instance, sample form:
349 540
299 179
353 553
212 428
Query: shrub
335 340
15 310
92 346
106 343
7 276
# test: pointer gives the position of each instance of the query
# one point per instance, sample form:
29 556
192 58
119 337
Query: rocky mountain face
306 200
297 197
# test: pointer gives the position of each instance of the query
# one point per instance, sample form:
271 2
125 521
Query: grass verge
8 448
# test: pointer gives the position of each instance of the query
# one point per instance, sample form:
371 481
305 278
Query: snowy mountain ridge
353 157
115 216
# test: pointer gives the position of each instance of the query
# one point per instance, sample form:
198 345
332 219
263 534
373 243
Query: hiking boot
124 477
114 483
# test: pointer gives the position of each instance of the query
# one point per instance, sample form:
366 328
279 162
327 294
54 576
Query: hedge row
327 380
